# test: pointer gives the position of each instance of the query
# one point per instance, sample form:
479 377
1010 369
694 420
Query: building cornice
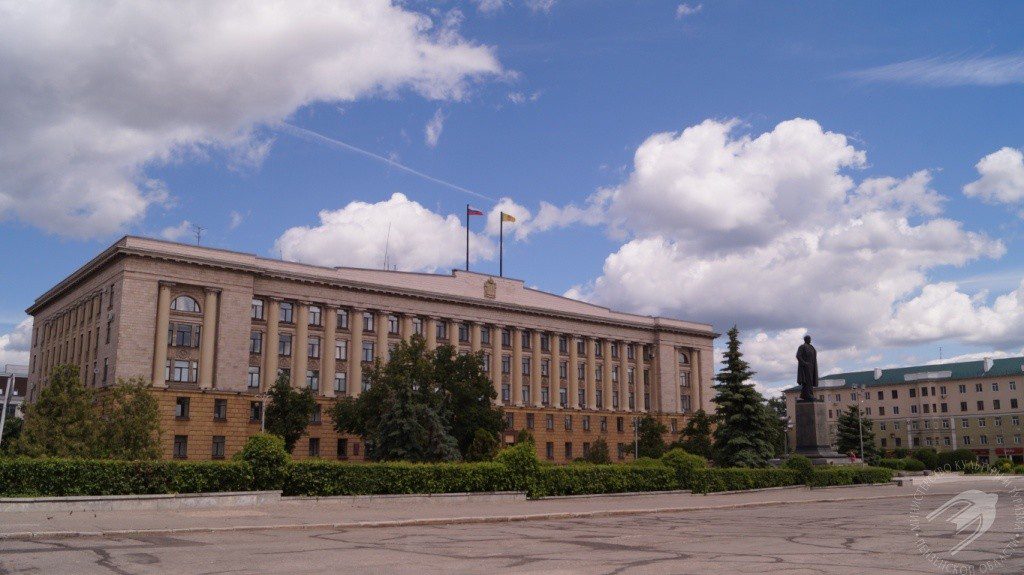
122 249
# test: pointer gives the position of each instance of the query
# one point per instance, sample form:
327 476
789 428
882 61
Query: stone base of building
812 435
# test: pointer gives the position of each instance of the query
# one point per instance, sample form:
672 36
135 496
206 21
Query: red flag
471 211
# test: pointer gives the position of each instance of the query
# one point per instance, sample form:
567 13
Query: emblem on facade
490 289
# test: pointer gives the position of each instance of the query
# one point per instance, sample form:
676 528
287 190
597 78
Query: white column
300 345
382 336
590 375
355 353
430 326
572 374
208 348
517 367
270 355
163 310
474 336
496 355
535 378
328 362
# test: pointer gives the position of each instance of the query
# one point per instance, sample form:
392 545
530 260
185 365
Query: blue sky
550 102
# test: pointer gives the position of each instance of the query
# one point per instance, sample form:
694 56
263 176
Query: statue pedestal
812 434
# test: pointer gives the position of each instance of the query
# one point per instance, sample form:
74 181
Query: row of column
207 343
70 338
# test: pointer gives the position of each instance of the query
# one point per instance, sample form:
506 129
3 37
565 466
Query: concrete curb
624 494
139 502
486 497
440 521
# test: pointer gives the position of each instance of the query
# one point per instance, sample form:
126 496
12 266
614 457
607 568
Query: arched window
185 303
683 358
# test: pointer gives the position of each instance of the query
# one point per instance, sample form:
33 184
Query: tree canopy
649 438
696 435
289 411
422 405
848 434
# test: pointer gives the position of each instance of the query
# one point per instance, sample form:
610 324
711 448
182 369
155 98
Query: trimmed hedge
326 478
24 477
583 479
741 478
904 464
687 466
849 475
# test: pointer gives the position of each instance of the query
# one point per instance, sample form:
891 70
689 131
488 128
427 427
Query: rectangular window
563 370
441 329
913 392
526 366
287 311
317 415
545 396
487 362
218 447
393 326
510 420
545 367
341 350
978 387
340 382
254 376
549 421
996 404
314 447
220 409
598 399
315 315
684 403
256 312
549 450
895 394
525 339
506 338
586 423
563 397
581 347
545 342
630 351
963 406
256 342
181 447
342 319
995 386
581 371
529 421
506 392
615 350
567 423
181 408
981 405
368 321
1013 403
615 399
463 332
313 379
506 364
568 450
178 370
599 372
598 349
563 344
1013 386
342 449
284 344
365 382
313 346
417 326
620 449
485 335
526 395
368 351
255 410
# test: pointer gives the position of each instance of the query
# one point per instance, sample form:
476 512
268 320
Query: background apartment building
15 378
973 405
211 329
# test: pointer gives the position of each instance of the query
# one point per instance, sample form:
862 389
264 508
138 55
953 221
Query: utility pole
198 231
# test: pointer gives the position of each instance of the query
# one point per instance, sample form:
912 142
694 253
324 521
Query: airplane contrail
310 135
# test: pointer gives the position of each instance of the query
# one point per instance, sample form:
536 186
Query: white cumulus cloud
433 129
178 232
357 235
104 89
15 345
1002 177
684 10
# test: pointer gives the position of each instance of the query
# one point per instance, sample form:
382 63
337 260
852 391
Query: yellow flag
507 217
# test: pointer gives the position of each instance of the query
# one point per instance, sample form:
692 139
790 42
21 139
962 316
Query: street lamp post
860 419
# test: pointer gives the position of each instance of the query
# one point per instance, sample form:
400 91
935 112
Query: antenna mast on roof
387 244
940 353
198 231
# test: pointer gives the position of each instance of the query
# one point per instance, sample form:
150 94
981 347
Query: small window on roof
185 303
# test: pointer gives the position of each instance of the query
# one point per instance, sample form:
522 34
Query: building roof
1006 367
459 286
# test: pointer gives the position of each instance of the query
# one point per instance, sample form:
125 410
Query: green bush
24 477
974 468
927 455
1018 470
326 478
268 457
589 478
904 464
849 475
1003 465
687 466
956 459
741 478
900 453
522 466
802 465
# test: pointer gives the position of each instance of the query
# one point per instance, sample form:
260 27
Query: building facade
974 405
212 328
15 378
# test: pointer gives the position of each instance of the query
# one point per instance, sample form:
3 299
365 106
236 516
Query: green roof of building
1006 367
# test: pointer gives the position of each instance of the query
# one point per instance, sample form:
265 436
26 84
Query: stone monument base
812 434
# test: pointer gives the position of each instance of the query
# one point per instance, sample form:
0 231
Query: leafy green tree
744 433
696 435
468 395
12 431
649 438
421 405
524 436
483 447
129 421
599 452
777 411
848 434
289 411
62 422
268 457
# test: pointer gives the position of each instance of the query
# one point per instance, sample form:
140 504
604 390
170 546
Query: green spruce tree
744 432
129 421
848 434
696 435
649 438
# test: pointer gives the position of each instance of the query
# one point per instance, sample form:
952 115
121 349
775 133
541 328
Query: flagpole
467 237
501 244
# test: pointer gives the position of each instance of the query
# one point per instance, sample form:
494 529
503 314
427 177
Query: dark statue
807 369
